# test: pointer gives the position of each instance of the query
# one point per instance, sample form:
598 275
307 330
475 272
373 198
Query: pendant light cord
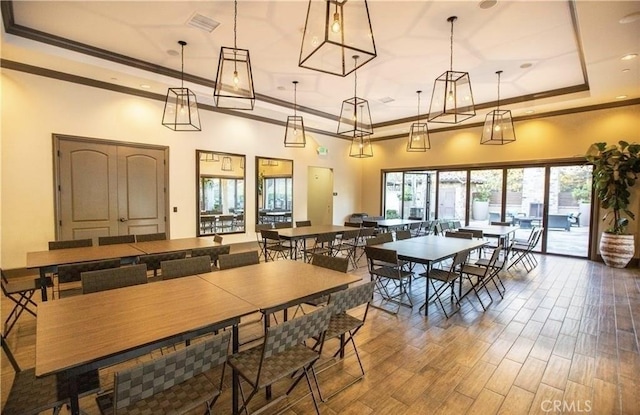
419 106
235 23
453 19
498 106
182 43
295 97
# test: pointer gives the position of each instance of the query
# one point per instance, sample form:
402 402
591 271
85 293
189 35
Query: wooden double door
106 188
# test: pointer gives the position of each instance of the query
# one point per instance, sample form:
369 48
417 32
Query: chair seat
178 399
441 275
274 368
475 270
484 262
391 273
342 323
31 395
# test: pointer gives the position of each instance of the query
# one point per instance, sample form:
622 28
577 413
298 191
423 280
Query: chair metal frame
524 253
282 354
483 275
348 245
323 245
21 293
447 279
389 275
344 326
272 242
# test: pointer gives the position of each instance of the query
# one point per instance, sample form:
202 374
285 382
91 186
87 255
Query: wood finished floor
565 339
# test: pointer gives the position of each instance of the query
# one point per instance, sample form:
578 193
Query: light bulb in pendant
450 95
497 128
236 80
295 131
335 26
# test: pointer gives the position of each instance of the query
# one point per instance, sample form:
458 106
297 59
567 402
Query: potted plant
480 208
615 171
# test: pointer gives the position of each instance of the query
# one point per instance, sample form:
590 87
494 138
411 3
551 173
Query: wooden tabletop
101 328
309 231
71 255
171 245
277 284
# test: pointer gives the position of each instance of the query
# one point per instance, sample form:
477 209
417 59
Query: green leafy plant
482 193
616 169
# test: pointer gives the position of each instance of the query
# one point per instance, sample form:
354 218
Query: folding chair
153 261
259 239
403 234
273 245
329 262
389 276
160 236
323 245
446 279
348 245
282 354
523 253
21 293
31 395
69 274
72 243
117 239
345 326
175 383
482 275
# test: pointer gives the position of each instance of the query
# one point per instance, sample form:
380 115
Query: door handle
123 220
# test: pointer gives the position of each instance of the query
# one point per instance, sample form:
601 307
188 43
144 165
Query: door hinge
59 153
60 223
165 218
59 188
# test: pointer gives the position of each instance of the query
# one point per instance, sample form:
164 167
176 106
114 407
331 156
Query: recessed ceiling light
630 18
173 52
625 70
529 112
487 4
526 65
629 56
145 86
621 96
281 88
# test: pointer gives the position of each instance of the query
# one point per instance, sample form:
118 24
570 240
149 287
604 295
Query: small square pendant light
418 134
452 99
334 30
355 121
180 107
361 146
294 135
234 81
498 125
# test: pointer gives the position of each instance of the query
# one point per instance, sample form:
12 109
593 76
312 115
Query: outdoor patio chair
20 292
524 253
442 280
390 277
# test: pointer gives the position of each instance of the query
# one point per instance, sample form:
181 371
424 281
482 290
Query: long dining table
427 250
172 245
494 231
78 334
302 233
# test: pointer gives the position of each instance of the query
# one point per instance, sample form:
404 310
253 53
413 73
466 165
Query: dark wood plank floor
565 339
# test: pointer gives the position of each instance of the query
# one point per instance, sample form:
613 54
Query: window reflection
274 190
221 193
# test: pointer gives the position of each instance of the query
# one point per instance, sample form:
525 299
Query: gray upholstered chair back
187 266
380 239
109 279
381 255
153 260
403 234
335 263
118 239
212 252
73 243
158 375
239 259
161 236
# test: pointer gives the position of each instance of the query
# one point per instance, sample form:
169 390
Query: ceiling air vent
203 22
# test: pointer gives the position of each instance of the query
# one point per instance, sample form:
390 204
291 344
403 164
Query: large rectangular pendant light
180 107
333 31
452 98
498 125
234 80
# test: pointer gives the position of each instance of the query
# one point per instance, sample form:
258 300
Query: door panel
87 190
108 189
141 190
320 195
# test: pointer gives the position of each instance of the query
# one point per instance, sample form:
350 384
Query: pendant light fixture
333 30
355 120
418 134
452 99
498 125
294 135
180 107
234 81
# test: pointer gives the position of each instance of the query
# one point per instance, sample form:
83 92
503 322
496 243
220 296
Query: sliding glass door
408 195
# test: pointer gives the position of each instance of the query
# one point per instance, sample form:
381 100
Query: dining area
91 337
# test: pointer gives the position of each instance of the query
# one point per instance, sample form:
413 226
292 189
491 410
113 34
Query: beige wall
563 136
34 107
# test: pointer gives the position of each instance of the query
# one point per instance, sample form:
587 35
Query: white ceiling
412 40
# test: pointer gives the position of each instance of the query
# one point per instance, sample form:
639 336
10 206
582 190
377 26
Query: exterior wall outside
35 107
557 137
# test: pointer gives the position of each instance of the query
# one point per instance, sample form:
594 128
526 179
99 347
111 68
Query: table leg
267 319
235 345
43 283
73 394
